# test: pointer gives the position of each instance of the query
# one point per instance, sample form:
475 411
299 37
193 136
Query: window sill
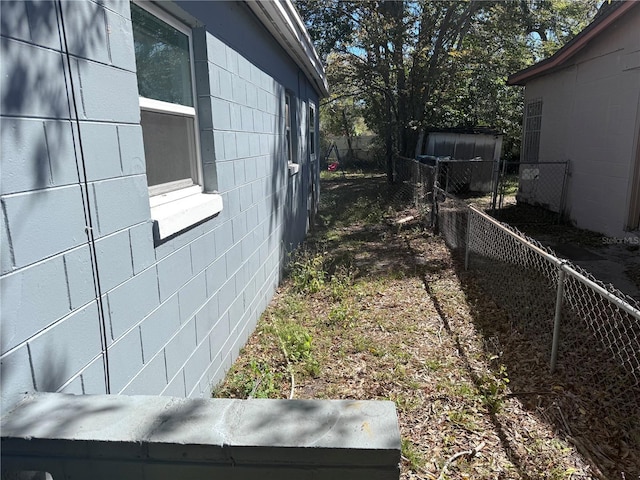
179 210
294 168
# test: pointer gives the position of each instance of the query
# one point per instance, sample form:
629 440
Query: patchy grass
374 310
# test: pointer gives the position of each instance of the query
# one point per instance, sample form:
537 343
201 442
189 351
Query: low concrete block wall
134 437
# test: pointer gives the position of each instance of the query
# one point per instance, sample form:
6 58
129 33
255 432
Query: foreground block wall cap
312 433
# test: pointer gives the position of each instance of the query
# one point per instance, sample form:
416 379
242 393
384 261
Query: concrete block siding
167 318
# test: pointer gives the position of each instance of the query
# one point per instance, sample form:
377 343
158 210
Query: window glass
288 122
162 59
312 129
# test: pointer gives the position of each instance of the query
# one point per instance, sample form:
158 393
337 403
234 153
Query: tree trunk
347 132
388 134
419 143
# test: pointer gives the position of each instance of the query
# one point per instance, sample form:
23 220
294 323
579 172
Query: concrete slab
360 439
575 252
611 264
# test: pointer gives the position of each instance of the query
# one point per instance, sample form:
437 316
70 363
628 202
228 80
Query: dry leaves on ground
391 315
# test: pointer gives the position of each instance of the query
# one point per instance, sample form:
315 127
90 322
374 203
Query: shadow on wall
37 84
24 373
36 133
279 172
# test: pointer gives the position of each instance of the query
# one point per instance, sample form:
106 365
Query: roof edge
572 47
283 21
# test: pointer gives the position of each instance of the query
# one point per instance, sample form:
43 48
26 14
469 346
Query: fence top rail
400 157
564 265
535 163
462 160
522 239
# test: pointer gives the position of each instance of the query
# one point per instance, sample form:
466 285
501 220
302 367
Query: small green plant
406 402
297 345
264 385
256 380
492 389
296 340
433 365
412 455
463 419
365 210
307 272
341 314
364 344
341 281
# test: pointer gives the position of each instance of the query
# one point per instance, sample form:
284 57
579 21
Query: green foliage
297 344
412 454
367 211
307 271
463 419
342 314
408 66
341 282
493 388
296 339
258 380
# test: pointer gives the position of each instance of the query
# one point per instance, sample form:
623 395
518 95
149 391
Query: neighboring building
158 164
583 105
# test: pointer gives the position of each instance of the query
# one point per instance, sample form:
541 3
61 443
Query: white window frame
157 106
291 156
176 206
311 131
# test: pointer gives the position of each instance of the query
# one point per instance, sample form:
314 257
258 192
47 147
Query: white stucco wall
591 117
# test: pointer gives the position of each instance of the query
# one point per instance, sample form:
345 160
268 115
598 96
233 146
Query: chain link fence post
467 246
436 186
558 316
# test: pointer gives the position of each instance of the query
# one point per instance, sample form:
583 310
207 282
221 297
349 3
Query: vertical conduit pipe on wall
81 170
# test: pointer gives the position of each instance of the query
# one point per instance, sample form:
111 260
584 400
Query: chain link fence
541 186
517 193
573 325
548 292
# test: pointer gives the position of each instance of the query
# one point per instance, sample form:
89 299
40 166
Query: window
312 131
167 113
289 135
163 51
287 127
532 127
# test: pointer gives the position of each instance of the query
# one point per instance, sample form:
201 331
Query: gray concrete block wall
175 313
49 300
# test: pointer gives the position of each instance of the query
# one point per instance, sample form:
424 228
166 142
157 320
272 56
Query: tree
413 65
341 114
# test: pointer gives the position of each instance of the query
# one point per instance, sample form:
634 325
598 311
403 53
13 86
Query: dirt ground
376 307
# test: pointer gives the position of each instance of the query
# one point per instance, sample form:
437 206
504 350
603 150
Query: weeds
296 342
307 272
372 332
412 455
341 282
493 388
257 381
342 314
463 419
